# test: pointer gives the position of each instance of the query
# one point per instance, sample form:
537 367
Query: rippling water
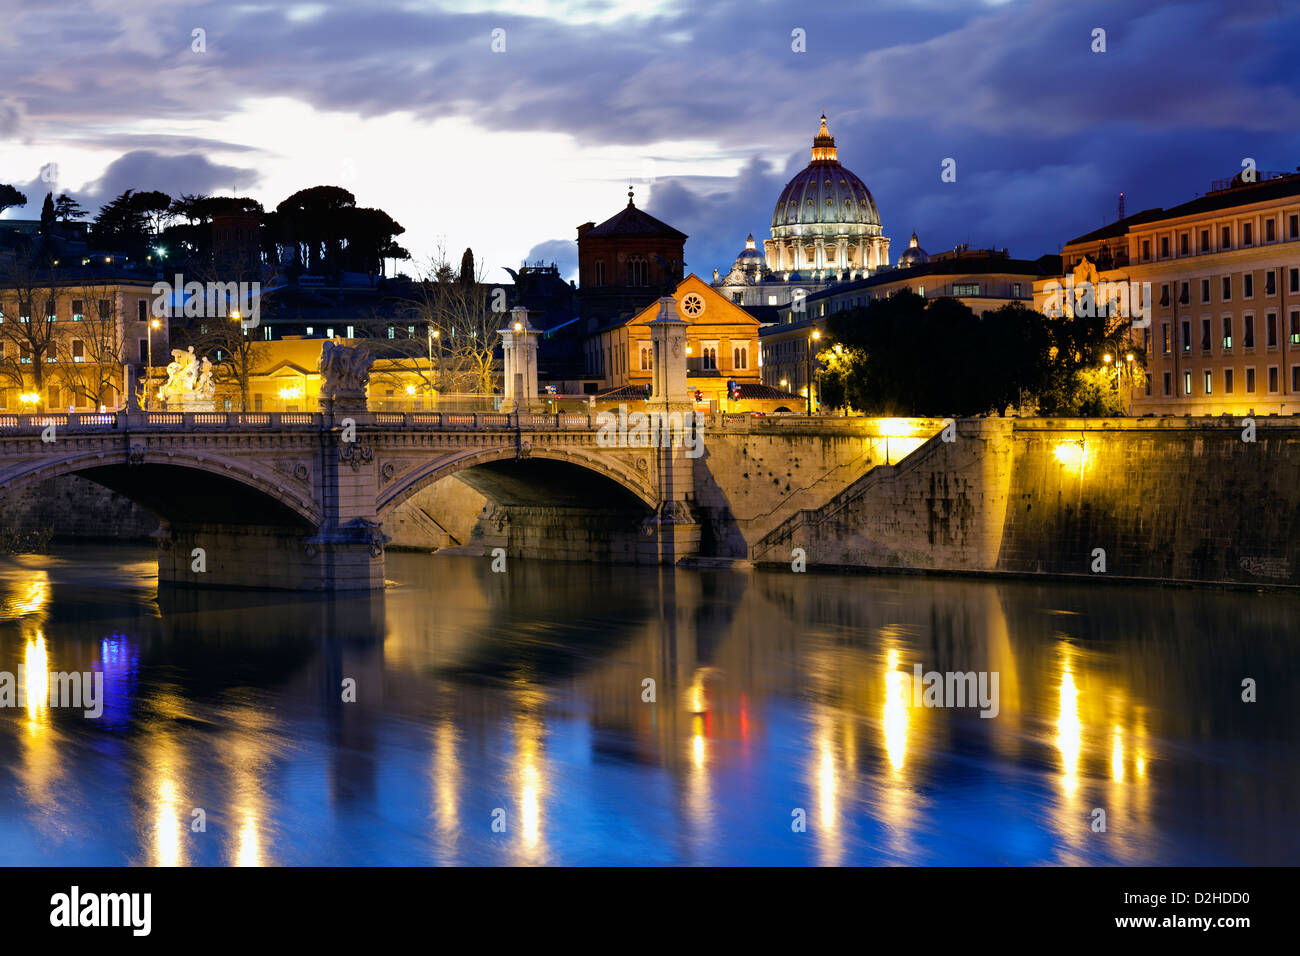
517 699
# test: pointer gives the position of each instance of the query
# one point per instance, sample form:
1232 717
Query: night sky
704 108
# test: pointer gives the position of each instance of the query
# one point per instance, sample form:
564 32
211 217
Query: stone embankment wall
1192 500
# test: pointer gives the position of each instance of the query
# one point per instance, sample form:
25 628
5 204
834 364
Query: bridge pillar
348 547
520 362
672 533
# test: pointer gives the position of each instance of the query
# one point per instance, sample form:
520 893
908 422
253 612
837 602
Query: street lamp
816 334
148 372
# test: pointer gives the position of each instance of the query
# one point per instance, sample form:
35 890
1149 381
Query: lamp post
436 334
812 338
148 372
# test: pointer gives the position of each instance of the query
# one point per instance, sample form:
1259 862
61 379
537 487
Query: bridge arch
634 488
178 485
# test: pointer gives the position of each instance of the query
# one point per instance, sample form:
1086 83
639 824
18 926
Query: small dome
913 255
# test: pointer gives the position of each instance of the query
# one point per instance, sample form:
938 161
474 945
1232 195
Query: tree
905 355
90 357
28 331
329 234
10 197
67 209
457 331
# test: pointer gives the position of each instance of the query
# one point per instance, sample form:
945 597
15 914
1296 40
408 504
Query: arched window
740 357
637 272
598 267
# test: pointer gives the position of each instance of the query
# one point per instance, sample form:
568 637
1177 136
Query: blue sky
705 108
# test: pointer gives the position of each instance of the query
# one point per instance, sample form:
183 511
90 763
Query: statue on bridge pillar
345 375
189 386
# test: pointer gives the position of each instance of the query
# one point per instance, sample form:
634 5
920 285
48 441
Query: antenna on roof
1121 206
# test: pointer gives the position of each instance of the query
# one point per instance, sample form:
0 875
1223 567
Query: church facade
826 228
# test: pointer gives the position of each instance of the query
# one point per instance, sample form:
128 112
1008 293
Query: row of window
1225 237
638 272
1228 381
1226 341
1225 287
103 307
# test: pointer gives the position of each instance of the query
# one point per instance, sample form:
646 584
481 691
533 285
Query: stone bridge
299 500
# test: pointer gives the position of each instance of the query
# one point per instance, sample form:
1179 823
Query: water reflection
772 692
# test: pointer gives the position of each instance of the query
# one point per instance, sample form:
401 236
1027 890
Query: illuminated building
1224 269
825 228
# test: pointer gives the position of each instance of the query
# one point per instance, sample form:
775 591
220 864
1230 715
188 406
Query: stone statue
345 373
189 385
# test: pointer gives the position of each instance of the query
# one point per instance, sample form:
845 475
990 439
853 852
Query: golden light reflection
529 776
1069 731
446 781
32 597
1117 755
167 825
36 666
895 717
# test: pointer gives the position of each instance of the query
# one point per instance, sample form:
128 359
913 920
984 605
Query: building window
1168 383
1205 335
1295 378
1146 250
1148 384
1184 294
1205 240
1248 332
1227 333
1270 282
1295 280
144 350
1227 381
1183 241
78 310
1293 226
266 332
1272 379
1187 336
1164 294
969 288
1295 327
1227 288
637 272
1227 237
740 358
1164 247
1205 291
709 355
598 268
1270 329
1209 381
1015 290
1248 285
1164 339
1250 381
645 358
105 309
1187 383
1247 233
78 350
1269 230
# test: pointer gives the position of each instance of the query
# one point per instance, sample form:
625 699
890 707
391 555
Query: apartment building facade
1224 274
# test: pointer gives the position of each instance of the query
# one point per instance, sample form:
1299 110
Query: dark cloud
1045 132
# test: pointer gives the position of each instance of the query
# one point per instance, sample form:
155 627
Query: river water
501 718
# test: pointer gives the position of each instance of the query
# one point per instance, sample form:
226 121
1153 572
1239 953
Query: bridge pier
249 556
